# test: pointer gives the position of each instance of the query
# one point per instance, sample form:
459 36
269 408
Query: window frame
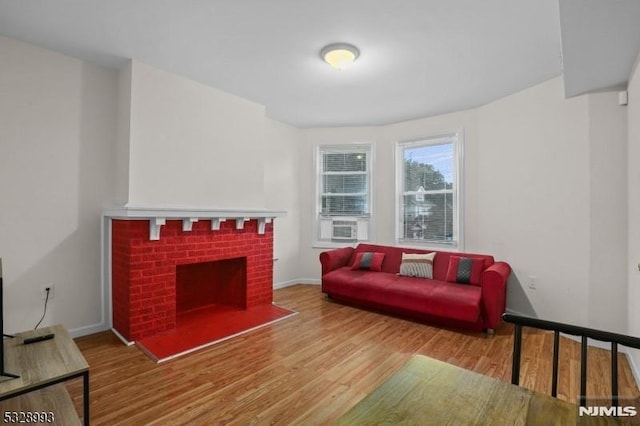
366 147
457 139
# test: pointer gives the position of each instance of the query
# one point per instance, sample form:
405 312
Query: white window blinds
428 203
344 193
345 182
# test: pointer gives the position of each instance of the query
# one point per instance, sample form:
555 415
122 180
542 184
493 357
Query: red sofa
471 306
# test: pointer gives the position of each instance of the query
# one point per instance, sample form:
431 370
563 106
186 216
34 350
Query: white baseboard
121 337
513 312
313 281
97 328
88 329
634 366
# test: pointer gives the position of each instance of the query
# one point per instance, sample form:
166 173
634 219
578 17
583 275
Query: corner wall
532 185
633 198
608 213
57 133
282 173
123 135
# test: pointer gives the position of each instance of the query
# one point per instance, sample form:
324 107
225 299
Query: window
429 173
343 192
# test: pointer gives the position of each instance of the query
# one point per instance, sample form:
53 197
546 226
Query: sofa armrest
334 259
494 292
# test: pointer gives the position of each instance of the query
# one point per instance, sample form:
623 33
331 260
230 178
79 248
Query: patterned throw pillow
417 265
464 270
368 261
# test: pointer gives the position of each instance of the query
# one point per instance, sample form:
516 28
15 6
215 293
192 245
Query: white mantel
157 216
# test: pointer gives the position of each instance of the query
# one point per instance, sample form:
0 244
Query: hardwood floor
311 368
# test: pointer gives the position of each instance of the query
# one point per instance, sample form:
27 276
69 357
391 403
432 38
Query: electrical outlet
532 282
51 288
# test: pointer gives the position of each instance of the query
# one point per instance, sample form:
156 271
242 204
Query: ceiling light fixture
339 55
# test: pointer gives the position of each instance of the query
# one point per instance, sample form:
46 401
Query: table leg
85 397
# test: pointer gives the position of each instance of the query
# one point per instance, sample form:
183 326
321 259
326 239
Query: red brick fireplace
161 267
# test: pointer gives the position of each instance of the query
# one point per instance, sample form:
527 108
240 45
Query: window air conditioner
344 230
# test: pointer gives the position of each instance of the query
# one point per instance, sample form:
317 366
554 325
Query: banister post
517 347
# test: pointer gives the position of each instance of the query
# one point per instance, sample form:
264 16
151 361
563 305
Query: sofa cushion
393 258
402 294
464 270
369 261
417 265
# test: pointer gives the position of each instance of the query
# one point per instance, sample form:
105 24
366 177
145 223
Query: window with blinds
344 192
345 183
429 176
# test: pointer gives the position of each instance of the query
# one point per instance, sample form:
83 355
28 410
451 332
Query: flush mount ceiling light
339 55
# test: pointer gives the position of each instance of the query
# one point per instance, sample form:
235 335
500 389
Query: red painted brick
144 271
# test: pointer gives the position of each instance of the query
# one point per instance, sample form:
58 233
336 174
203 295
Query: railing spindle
585 333
554 375
517 347
583 372
614 374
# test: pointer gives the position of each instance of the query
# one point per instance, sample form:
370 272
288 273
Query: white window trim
458 244
317 205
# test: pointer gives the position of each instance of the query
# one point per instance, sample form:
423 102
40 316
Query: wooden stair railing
584 333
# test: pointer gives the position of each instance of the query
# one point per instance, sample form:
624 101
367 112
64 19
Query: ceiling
418 57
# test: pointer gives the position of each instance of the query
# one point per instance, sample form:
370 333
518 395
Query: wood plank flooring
311 368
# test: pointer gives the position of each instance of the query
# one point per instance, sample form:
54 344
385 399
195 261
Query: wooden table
426 391
42 368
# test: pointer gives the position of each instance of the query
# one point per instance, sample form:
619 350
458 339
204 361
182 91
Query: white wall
192 144
310 139
533 180
633 199
531 187
123 135
281 189
57 130
608 208
464 121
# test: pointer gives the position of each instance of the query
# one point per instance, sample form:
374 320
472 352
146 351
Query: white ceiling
418 57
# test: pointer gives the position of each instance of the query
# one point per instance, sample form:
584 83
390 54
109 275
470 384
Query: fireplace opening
216 285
